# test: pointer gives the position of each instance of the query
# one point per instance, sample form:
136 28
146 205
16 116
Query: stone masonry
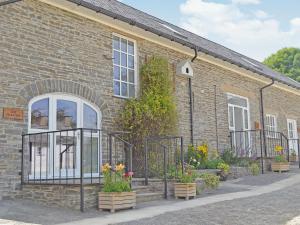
47 50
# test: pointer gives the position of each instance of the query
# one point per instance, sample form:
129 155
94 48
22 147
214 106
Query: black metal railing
251 143
164 159
72 156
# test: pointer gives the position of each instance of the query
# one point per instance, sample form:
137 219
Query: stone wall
66 196
47 50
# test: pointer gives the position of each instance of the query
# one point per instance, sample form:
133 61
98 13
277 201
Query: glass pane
246 119
234 100
116 43
117 88
131 91
65 158
124 60
231 124
89 117
124 45
116 57
40 114
131 76
90 157
124 74
117 72
124 89
66 115
131 62
131 47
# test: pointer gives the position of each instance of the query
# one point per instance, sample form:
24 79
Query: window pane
131 91
116 43
130 62
117 88
124 60
124 74
124 90
40 114
234 100
124 45
117 72
66 115
116 57
90 151
131 76
131 47
231 116
246 119
89 117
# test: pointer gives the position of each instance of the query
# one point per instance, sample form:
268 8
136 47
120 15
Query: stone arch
48 86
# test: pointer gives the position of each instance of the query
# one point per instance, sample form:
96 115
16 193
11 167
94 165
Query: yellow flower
120 167
278 148
106 167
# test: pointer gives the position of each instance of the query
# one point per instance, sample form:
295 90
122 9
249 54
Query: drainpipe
191 99
263 115
9 2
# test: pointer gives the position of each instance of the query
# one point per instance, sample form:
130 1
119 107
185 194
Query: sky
256 28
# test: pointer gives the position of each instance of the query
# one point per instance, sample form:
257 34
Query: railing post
22 162
261 152
146 161
165 174
181 155
231 143
81 172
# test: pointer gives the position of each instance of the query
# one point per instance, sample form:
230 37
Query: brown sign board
13 114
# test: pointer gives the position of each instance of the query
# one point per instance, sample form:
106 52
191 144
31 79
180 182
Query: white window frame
53 98
242 107
135 67
271 131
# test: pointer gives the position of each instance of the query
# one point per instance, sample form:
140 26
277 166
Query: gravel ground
265 209
269 209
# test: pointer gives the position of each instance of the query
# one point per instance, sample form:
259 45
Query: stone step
148 197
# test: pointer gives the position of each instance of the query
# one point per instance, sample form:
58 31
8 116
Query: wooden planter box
293 158
114 201
280 166
185 190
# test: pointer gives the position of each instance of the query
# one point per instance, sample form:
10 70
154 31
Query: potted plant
116 192
280 163
293 156
186 185
224 171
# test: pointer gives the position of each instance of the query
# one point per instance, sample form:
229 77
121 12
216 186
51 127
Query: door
238 111
292 135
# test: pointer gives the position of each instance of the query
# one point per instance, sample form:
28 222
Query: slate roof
128 14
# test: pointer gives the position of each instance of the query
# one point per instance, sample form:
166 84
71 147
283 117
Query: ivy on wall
154 112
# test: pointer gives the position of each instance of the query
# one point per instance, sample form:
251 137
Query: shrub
211 181
213 164
223 167
254 168
229 157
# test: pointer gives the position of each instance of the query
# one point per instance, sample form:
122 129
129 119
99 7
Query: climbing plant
154 111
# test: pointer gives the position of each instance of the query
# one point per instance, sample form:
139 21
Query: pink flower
128 174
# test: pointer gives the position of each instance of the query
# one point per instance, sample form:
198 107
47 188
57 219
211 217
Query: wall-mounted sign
13 114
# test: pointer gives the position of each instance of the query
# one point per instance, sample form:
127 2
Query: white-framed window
124 66
271 126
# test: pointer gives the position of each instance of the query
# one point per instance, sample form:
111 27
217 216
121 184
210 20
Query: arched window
61 112
55 122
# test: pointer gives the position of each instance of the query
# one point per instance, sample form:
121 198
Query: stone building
68 64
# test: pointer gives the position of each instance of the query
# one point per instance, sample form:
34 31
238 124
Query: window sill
123 98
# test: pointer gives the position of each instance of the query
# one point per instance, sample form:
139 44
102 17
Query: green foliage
254 168
154 112
280 158
223 167
293 152
188 177
229 157
114 181
211 181
286 61
213 164
197 156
